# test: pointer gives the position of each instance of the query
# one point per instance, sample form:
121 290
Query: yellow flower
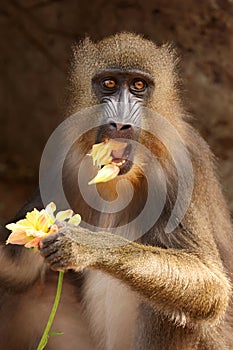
38 224
30 231
101 155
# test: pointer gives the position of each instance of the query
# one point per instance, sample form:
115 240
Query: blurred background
36 37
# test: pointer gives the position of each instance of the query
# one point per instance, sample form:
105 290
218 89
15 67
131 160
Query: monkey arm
175 281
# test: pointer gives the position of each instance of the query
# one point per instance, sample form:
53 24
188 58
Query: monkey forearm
173 280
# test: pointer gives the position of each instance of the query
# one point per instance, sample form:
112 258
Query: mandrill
157 281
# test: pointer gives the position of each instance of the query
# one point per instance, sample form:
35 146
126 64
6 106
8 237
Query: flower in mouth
107 173
102 155
38 225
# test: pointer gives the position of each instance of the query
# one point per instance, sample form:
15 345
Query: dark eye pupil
139 85
109 83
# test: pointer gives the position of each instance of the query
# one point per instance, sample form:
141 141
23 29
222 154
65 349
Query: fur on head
125 51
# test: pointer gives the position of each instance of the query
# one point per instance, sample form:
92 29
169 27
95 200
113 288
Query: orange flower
37 225
101 155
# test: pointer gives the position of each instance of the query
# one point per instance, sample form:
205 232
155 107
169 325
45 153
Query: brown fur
181 280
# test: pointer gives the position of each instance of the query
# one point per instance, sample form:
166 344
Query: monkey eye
138 85
109 84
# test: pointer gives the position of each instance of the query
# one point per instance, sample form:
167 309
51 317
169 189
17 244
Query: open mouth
121 159
112 159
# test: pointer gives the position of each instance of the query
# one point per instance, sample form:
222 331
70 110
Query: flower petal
43 222
50 209
34 243
12 226
96 148
17 237
107 173
32 217
65 214
103 155
101 152
21 224
75 220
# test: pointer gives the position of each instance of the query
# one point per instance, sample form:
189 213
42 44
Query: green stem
45 336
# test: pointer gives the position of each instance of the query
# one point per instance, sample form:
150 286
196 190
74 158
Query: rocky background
35 47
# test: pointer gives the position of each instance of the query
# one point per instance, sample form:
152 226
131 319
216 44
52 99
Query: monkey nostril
113 125
125 126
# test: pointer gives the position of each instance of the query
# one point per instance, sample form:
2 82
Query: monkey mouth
112 158
121 159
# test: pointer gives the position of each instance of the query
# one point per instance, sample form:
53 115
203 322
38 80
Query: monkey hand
62 252
77 248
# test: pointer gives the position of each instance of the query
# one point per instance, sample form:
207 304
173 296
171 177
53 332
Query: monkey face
124 89
122 93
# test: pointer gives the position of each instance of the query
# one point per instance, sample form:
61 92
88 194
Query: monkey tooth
119 163
107 173
101 155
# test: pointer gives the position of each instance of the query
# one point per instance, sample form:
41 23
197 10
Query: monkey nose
119 126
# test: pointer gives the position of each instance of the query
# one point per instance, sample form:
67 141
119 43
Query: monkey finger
49 240
49 247
47 251
57 262
60 224
53 237
52 256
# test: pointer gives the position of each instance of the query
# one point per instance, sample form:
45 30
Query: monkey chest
111 310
